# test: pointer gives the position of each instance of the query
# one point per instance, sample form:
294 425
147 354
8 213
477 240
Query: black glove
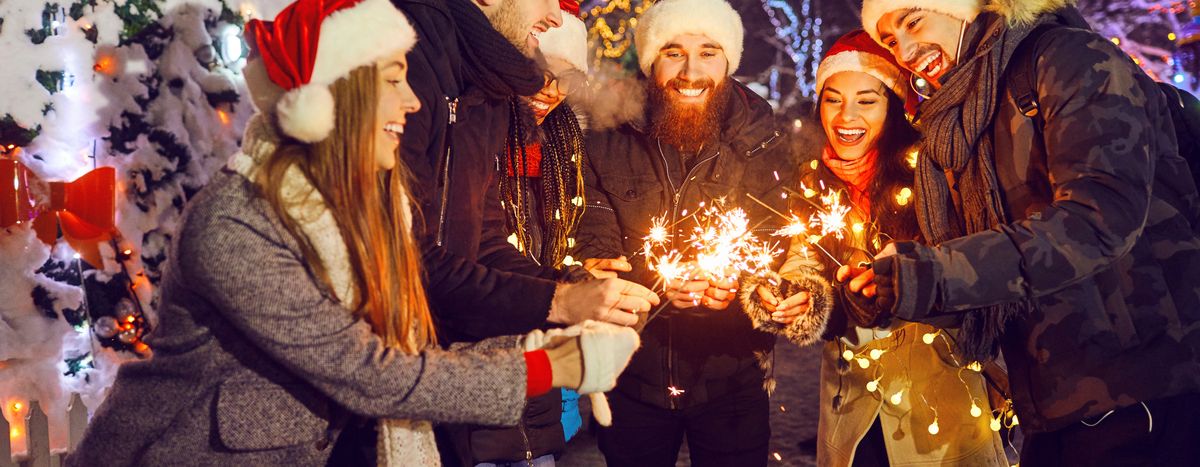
862 311
907 283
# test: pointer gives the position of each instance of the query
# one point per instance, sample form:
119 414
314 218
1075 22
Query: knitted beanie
667 19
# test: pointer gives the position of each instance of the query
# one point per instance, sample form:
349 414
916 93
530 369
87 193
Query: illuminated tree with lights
114 113
1148 31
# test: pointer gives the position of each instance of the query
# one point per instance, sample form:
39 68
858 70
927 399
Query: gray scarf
957 127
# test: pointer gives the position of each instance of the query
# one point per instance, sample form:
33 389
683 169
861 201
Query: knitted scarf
957 124
490 62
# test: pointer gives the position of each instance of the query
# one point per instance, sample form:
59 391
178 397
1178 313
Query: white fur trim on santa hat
871 64
670 18
872 10
306 113
568 42
350 38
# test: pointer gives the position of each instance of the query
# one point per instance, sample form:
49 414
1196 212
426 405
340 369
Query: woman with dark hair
885 393
541 192
294 297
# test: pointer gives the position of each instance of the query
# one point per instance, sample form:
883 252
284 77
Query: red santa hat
670 18
313 43
568 42
857 51
872 10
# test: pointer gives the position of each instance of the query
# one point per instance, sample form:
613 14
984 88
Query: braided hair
561 186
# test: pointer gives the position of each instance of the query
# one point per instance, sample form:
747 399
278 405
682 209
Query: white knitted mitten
606 349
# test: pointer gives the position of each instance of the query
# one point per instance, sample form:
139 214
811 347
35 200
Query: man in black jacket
700 370
471 57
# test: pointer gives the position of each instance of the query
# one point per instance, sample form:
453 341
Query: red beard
686 126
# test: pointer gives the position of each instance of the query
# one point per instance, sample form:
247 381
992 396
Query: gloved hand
605 350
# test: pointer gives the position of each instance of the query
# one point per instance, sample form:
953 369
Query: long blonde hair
367 205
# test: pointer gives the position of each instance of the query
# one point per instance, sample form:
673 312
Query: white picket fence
28 441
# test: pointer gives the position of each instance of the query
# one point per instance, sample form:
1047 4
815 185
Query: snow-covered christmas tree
113 113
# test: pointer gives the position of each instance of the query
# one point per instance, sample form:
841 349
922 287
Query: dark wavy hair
892 173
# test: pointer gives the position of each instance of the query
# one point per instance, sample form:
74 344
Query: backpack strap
1022 71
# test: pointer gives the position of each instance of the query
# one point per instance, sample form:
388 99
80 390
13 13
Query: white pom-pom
306 113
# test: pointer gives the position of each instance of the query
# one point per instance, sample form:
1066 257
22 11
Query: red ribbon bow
84 209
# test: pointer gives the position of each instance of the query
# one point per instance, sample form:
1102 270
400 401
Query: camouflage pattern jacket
1104 241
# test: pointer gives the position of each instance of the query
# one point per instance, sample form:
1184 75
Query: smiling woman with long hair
293 299
885 394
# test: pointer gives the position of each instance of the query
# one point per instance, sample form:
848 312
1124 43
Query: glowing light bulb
928 337
1116 40
76 256
863 363
848 355
897 397
876 353
922 83
975 410
857 227
995 424
578 201
933 427
872 386
17 406
975 366
813 165
1171 36
1015 422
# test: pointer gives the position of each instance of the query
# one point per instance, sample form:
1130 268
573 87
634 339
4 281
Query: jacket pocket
631 189
262 416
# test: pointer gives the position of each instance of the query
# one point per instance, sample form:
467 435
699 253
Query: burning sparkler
721 247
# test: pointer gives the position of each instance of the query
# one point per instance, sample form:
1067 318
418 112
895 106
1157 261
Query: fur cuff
808 327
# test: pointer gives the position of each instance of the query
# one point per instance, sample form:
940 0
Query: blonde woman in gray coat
293 297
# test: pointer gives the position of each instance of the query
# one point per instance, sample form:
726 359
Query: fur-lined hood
1019 12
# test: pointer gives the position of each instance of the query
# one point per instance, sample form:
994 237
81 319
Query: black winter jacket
479 285
631 178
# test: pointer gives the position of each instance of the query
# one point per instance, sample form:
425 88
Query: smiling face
517 20
689 68
924 42
854 107
554 92
396 101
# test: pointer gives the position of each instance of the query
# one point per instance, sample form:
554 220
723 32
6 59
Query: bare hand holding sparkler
615 301
606 268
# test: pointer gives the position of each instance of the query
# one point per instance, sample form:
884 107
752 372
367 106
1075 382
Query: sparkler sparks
721 246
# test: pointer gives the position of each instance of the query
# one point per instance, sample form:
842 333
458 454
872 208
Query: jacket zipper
676 194
452 104
525 438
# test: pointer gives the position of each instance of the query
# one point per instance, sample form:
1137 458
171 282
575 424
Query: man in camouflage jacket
1092 250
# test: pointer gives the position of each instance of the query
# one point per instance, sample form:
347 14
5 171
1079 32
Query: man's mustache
923 50
678 83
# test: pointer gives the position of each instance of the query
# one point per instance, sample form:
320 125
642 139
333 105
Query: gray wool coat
255 363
